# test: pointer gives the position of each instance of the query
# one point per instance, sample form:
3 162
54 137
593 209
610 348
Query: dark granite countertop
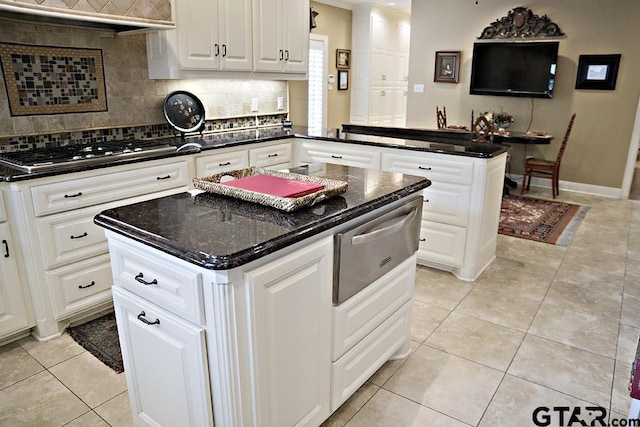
450 142
219 233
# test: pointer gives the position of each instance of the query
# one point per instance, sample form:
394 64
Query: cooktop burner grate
69 156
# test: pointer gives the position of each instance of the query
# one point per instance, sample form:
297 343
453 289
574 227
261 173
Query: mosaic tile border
164 130
53 80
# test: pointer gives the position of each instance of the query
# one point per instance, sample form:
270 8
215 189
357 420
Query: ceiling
404 5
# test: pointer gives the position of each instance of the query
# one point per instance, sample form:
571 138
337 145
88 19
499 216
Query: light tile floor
545 325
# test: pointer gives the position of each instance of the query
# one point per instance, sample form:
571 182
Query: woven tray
212 184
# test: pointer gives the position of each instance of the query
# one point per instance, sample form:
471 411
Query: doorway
317 89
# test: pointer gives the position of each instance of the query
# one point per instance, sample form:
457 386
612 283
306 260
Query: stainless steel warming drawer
370 249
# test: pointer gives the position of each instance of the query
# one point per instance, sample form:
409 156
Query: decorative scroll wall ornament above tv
53 80
521 23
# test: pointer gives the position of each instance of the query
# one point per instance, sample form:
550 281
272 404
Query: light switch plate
254 104
280 103
418 88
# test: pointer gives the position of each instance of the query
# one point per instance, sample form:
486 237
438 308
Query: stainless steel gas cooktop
71 156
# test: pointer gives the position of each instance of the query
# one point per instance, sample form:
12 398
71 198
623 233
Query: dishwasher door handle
397 224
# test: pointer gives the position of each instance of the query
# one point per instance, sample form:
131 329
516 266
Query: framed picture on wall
597 72
447 67
343 58
343 80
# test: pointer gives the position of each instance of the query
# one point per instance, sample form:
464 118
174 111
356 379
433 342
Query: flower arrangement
501 119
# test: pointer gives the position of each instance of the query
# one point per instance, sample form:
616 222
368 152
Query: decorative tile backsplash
52 80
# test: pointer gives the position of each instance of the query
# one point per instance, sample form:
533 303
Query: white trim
634 145
325 71
574 187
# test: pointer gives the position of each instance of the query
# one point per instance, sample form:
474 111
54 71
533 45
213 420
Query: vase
503 125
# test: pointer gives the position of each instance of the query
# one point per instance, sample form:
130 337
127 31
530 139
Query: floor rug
100 338
540 220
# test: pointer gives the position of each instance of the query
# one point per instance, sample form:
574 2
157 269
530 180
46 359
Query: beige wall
132 98
598 149
335 23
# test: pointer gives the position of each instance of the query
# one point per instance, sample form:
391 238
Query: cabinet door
268 54
13 310
215 163
197 27
291 334
235 35
296 35
165 363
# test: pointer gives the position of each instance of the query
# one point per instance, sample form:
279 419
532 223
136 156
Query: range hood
124 25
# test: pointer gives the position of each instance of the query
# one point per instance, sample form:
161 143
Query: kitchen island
226 309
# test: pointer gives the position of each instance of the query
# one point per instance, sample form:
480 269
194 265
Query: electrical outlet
280 103
254 104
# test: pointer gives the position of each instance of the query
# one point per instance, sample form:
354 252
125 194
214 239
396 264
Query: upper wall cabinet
122 15
209 35
281 35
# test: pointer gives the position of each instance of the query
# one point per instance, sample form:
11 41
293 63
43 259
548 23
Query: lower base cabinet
165 363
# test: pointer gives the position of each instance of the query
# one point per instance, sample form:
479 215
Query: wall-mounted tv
514 69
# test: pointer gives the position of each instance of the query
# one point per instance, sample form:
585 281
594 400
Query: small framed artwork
343 80
447 67
343 58
597 72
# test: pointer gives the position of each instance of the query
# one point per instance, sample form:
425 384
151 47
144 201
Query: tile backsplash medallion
134 101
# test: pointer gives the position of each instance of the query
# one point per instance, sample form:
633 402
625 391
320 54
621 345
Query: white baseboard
575 187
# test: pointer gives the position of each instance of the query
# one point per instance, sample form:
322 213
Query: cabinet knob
281 54
224 50
224 164
160 178
79 236
6 248
87 286
335 157
286 55
69 196
424 168
272 155
145 321
217 49
140 279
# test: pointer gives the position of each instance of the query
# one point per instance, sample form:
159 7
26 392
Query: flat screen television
524 69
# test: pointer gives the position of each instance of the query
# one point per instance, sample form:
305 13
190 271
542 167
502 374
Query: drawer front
354 368
78 193
80 286
362 313
270 155
447 203
216 163
442 243
71 236
342 155
435 167
158 278
3 212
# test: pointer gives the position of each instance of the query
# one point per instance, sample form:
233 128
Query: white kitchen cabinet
210 35
460 212
67 268
290 320
14 314
281 36
165 363
272 156
380 46
208 164
310 151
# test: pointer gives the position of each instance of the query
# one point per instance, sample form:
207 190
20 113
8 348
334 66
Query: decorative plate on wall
184 111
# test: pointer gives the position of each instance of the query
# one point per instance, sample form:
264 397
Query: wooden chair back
482 129
441 117
563 145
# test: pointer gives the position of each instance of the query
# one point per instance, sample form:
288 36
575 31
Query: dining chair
482 129
441 117
549 169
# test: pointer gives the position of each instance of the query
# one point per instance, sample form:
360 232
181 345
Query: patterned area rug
100 338
540 220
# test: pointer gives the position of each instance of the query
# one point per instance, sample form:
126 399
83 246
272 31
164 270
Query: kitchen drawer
270 155
447 203
362 313
221 162
354 368
75 193
158 278
3 212
341 154
442 243
79 286
433 166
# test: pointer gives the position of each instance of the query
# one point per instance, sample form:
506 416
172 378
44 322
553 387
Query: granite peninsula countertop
445 142
219 233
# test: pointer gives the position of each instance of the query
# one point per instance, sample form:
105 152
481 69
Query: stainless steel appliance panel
371 249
